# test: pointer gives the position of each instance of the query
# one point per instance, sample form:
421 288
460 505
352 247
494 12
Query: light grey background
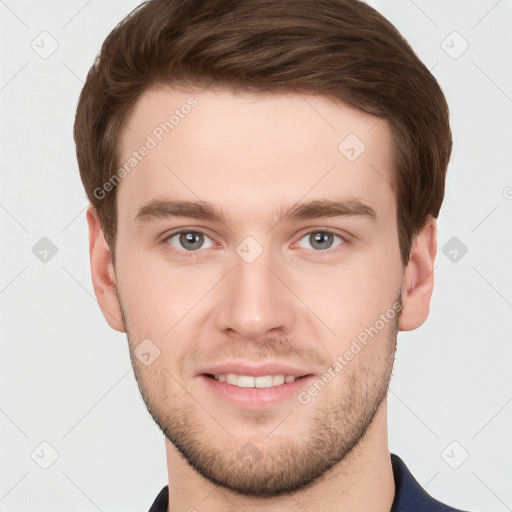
65 376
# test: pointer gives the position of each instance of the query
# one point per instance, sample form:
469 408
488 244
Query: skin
252 157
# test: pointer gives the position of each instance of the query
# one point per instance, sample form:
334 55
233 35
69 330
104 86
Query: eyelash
187 254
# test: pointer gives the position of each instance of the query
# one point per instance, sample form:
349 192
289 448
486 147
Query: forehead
247 150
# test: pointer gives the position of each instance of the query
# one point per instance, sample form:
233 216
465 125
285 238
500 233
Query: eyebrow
348 207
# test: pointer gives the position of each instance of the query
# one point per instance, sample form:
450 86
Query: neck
362 481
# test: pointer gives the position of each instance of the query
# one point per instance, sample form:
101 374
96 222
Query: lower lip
257 398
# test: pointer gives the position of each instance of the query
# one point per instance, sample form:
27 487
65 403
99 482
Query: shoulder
409 495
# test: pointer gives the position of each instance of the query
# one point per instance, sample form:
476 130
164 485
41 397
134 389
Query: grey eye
320 240
190 240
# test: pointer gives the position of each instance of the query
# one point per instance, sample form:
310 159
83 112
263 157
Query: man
264 180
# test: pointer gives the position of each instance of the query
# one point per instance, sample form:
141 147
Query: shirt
409 495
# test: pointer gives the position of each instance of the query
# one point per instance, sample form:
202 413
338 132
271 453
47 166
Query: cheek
144 289
352 296
158 297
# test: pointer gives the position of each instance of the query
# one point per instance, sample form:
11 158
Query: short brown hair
342 49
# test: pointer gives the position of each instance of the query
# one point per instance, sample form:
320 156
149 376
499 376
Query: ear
419 278
103 273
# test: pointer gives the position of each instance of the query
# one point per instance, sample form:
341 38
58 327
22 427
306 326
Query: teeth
231 378
263 382
248 381
245 381
277 380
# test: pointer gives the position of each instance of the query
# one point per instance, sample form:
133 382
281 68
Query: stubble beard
258 472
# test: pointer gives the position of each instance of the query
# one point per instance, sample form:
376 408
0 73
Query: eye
320 240
189 240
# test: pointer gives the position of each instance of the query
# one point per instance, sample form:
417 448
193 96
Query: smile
249 381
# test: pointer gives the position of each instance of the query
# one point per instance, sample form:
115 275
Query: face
257 248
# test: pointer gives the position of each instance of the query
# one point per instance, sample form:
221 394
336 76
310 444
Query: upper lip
244 368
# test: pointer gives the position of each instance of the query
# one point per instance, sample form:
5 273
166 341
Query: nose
253 301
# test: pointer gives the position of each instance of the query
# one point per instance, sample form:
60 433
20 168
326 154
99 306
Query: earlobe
419 278
103 273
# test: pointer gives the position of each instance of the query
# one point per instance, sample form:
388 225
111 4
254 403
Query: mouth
249 387
250 381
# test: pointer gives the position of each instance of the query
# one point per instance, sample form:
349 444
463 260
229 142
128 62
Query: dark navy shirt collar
409 495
